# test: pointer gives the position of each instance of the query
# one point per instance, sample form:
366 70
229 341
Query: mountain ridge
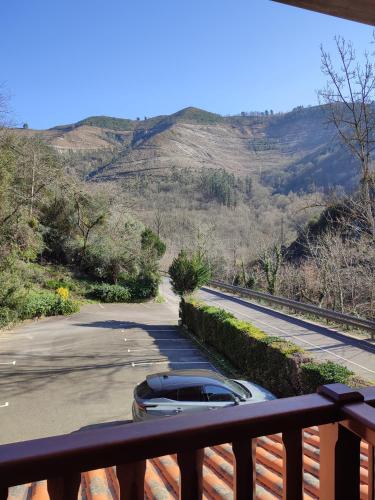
290 151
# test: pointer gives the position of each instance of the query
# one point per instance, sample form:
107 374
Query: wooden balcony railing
344 416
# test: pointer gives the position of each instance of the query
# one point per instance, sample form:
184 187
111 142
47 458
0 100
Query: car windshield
239 389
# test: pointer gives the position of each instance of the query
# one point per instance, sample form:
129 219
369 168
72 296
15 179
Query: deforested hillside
241 191
292 151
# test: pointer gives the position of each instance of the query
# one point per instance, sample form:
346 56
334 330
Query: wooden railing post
64 487
339 450
371 472
131 478
244 469
328 435
292 465
191 471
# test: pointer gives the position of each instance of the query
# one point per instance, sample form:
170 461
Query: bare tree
349 96
90 213
4 106
158 221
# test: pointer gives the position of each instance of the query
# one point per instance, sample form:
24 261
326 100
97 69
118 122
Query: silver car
187 391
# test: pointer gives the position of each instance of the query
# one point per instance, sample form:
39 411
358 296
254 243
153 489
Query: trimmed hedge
277 364
133 289
316 374
110 293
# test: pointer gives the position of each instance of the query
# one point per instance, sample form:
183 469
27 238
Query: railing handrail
346 319
87 450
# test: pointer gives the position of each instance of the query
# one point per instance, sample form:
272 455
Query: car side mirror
237 400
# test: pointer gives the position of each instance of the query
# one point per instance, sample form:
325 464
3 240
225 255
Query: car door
191 399
218 397
163 405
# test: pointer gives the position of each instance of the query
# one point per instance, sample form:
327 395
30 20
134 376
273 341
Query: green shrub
54 284
37 304
7 316
110 293
143 287
152 244
275 363
65 307
188 273
316 374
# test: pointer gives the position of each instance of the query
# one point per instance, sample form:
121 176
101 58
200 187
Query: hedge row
277 364
130 290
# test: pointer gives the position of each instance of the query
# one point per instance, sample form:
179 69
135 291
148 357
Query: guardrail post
339 450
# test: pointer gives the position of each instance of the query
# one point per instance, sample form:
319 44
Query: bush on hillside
37 304
7 316
54 284
144 286
65 307
152 244
110 293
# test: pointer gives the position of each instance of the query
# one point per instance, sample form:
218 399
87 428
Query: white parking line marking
136 330
4 405
8 363
163 330
161 323
151 349
144 363
302 340
157 340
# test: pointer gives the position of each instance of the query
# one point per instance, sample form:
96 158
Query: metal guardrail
345 319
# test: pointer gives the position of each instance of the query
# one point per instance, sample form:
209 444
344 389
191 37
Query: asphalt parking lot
59 375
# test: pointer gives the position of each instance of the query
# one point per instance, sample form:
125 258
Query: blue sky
62 61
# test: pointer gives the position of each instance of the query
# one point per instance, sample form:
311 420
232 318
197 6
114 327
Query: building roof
355 10
162 474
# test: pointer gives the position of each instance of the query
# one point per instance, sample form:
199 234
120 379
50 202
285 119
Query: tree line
49 217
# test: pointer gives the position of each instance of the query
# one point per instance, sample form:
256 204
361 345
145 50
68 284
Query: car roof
183 378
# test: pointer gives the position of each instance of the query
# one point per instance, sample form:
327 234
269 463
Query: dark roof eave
362 11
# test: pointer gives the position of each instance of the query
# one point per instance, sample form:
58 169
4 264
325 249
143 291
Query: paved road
81 370
59 375
324 343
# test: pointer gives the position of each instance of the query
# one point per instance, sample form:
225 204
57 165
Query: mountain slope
290 151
